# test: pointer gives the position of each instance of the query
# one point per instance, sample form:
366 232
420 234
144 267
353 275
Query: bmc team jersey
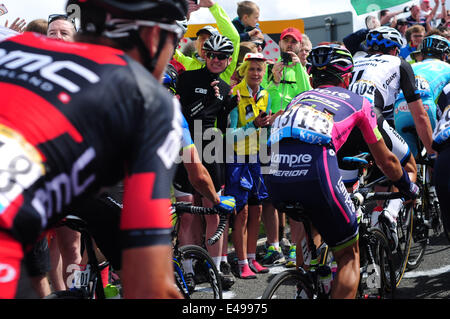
76 117
431 75
326 116
380 77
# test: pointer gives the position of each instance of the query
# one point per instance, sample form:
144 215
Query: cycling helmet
219 43
332 58
435 45
170 78
384 38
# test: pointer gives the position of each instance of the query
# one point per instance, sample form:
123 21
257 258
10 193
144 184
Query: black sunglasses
220 56
54 17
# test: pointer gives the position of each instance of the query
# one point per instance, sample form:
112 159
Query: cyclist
93 116
432 75
304 165
381 74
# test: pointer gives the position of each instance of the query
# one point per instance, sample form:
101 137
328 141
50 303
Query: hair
434 32
306 40
244 48
38 26
413 29
242 69
246 8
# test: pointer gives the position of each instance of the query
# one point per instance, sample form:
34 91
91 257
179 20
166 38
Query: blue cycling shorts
403 118
309 174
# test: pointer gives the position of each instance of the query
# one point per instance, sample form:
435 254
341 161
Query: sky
270 9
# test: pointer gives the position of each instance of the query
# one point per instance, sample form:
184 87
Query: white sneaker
391 222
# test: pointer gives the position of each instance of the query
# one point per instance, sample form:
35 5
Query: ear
150 36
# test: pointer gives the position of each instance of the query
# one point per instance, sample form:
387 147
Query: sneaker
226 275
190 282
386 218
292 257
257 268
273 257
247 273
285 245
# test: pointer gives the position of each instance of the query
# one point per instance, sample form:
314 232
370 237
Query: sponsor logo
7 273
293 173
291 159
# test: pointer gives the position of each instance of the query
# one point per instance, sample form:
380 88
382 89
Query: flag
366 6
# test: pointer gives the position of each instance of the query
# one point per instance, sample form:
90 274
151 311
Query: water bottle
325 278
111 292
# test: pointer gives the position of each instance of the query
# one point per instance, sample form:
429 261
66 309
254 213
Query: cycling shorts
403 118
309 174
244 181
441 175
37 260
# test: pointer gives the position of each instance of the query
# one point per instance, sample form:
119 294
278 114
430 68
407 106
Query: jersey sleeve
155 146
368 123
408 82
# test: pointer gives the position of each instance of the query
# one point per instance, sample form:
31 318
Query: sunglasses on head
220 56
54 17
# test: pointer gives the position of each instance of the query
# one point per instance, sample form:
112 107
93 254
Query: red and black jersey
96 117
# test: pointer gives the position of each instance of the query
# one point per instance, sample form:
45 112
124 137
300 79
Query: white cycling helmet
219 43
383 38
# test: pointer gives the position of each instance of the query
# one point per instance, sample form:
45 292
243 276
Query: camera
286 58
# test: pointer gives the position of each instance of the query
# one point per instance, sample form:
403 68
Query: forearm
423 124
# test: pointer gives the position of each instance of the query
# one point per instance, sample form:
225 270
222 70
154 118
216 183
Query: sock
394 207
276 245
217 261
104 273
225 258
242 263
251 257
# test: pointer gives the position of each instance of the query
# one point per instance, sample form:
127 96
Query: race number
81 276
442 131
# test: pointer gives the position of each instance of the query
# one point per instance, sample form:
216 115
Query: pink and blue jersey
326 116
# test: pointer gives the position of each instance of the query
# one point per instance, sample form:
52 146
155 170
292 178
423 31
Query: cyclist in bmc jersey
432 75
381 74
76 117
304 166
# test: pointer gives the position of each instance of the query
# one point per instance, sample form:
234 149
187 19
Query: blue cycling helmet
331 58
170 78
435 45
384 38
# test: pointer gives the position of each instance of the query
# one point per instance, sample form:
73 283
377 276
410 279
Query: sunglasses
54 17
220 56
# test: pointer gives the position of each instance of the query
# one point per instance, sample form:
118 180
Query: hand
216 88
206 3
192 7
277 72
226 205
295 59
18 25
261 120
274 116
406 187
407 9
256 34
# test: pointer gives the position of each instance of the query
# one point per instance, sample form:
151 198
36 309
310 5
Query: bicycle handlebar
186 207
364 194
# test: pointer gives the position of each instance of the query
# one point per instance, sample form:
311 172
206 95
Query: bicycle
428 211
400 252
203 269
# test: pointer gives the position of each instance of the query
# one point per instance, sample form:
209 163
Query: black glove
406 187
406 9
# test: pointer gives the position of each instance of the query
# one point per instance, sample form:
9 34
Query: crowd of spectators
247 92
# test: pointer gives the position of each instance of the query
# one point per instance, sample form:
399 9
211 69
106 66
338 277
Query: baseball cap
293 32
208 29
254 56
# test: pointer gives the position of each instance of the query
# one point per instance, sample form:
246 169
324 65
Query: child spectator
246 23
38 26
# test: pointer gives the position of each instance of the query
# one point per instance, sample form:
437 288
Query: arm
386 160
353 41
385 19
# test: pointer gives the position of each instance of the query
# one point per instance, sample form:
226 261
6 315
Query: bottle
325 278
111 292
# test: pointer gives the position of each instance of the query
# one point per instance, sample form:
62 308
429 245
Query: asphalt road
431 280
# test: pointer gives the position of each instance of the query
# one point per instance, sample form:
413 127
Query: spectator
422 15
402 25
354 42
225 27
388 18
206 97
244 180
306 47
61 27
283 80
38 26
414 35
65 244
246 23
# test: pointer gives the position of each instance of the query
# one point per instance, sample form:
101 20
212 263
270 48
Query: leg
69 245
345 285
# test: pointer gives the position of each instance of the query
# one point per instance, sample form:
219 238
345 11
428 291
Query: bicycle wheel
206 275
400 255
377 269
289 284
420 234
